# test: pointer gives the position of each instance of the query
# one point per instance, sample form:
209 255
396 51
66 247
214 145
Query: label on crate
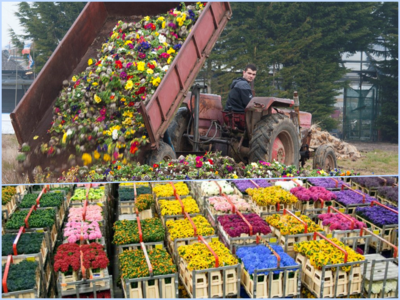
214 239
99 204
342 210
272 240
40 230
30 259
159 246
376 231
329 235
297 213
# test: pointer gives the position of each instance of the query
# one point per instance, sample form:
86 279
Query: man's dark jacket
239 95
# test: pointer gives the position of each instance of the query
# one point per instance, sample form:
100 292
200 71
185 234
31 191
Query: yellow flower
171 50
97 99
35 137
169 60
90 61
156 81
165 44
88 80
114 35
140 65
64 138
160 19
106 157
87 159
147 18
74 78
96 154
128 42
95 83
144 137
123 99
156 33
150 71
163 25
129 85
183 16
153 62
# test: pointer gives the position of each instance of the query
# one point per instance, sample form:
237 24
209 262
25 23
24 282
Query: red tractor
268 130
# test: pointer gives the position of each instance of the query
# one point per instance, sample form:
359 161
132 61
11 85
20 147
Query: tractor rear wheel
275 138
324 158
178 128
164 152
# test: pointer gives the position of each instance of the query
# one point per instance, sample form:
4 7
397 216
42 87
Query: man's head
249 72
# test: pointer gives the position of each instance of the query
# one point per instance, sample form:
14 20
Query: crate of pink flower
232 228
260 271
331 184
313 199
350 199
382 219
340 226
222 205
204 190
76 231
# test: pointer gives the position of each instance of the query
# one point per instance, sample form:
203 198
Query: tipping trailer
33 115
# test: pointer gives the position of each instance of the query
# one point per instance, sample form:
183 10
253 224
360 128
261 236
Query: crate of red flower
267 271
231 228
84 265
22 279
381 219
330 184
339 225
271 200
216 206
184 231
292 228
330 269
349 199
208 276
148 272
313 200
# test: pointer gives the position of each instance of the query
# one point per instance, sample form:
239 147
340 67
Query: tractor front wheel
275 138
164 152
324 158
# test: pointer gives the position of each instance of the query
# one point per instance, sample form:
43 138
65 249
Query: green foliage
21 157
21 276
296 47
45 23
40 218
29 243
47 200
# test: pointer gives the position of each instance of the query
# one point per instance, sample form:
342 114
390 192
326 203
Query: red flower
112 97
141 90
155 166
149 65
118 64
210 161
150 26
99 62
129 77
199 164
131 103
89 137
134 147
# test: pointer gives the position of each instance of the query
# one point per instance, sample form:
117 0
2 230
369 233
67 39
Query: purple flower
172 25
325 182
348 197
143 46
229 168
177 47
378 215
123 75
243 185
141 55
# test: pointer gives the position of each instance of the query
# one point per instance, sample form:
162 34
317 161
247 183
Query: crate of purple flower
313 200
349 200
370 185
382 218
243 185
216 206
268 272
331 184
388 195
232 228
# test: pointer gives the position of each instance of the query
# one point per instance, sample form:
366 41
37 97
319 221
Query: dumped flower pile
271 196
183 228
321 253
289 225
198 257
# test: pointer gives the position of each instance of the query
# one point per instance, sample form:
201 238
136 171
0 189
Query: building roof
9 64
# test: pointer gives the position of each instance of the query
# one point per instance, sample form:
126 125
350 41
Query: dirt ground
368 147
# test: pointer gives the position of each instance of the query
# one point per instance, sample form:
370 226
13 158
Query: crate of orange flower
232 228
148 273
271 200
267 271
292 228
184 231
206 275
329 267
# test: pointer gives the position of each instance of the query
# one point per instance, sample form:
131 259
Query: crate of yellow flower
148 273
184 231
170 190
127 231
291 229
267 271
330 268
270 200
176 207
208 276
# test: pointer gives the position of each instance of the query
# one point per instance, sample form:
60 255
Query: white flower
165 68
115 134
69 132
162 39
254 165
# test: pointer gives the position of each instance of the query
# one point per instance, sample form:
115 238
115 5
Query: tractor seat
234 119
